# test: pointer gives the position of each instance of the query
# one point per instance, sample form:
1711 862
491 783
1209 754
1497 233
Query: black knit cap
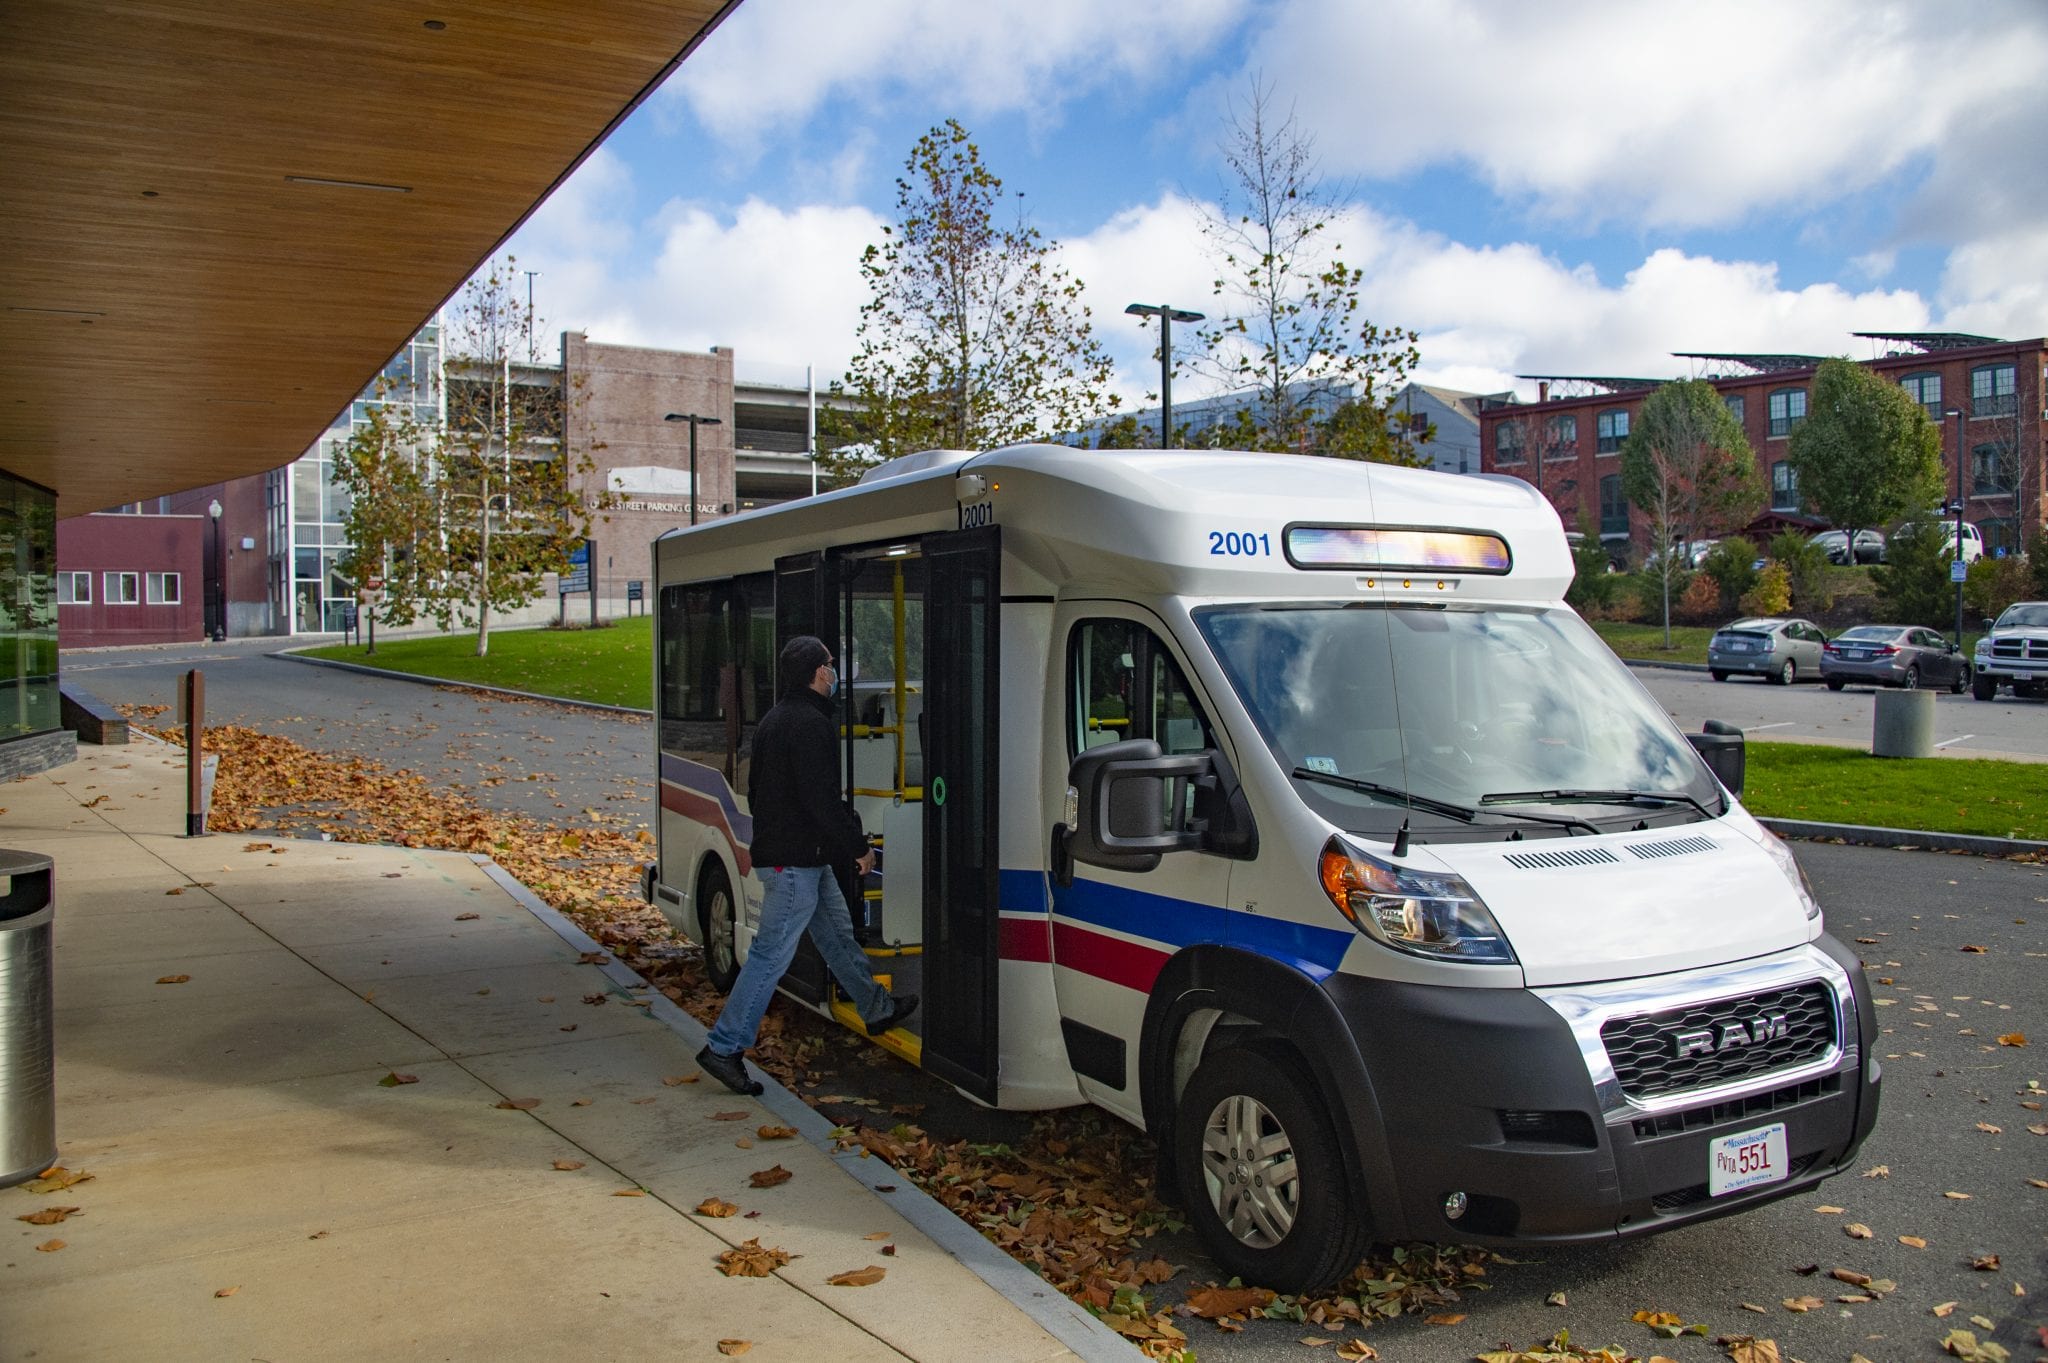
800 661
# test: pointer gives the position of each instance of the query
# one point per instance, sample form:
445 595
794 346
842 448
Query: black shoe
729 1070
905 1005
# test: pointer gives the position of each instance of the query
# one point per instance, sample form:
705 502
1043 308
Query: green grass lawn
613 666
1940 794
1689 642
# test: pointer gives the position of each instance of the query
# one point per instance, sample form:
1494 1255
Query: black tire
1834 683
718 919
1912 682
1787 674
1719 675
1961 681
1983 687
1262 1091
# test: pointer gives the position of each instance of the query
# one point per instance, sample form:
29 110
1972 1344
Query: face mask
832 682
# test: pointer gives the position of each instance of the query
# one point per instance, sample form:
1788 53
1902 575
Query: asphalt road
1962 724
1945 1071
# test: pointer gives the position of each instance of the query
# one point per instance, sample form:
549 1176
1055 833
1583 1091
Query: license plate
1746 1159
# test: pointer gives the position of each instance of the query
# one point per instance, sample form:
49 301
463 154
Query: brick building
1568 442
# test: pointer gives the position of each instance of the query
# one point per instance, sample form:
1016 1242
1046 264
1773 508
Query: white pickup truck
2013 652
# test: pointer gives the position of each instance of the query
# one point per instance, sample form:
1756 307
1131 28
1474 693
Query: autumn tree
1689 468
974 335
391 520
1866 454
1286 328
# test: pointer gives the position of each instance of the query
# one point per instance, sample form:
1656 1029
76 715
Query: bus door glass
1113 931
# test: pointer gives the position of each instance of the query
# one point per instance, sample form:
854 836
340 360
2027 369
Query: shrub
1807 570
1701 603
1912 583
1772 594
1649 586
1731 564
1994 584
1593 588
2037 565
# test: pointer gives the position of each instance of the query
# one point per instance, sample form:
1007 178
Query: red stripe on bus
1025 939
707 811
1107 958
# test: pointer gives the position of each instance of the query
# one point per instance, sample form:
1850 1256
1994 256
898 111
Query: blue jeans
798 899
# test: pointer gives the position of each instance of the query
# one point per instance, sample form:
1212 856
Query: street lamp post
695 421
1167 315
1957 413
219 622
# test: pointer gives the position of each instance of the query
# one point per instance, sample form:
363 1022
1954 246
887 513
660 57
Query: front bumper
1508 1097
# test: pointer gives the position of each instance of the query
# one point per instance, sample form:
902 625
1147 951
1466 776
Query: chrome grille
1648 1064
1570 856
2019 648
1671 847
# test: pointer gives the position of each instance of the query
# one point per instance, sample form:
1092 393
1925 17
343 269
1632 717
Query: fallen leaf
593 958
595 1000
1752 1306
751 1260
859 1277
690 1078
394 1079
730 1116
1974 950
1946 1309
580 1102
1447 1318
2013 1039
712 1206
1985 1263
1856 1230
568 1166
630 1192
744 1143
49 1246
1213 1303
775 1133
1749 1349
227 1291
49 1216
56 1178
1556 1299
1830 1211
1990 1130
769 1177
1851 1277
2038 1182
467 917
174 979
1653 1319
1912 1242
518 1104
1957 1197
1315 1341
1802 1305
1357 1351
319 1235
733 1348
1878 1171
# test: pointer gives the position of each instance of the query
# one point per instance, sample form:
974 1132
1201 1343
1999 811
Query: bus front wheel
1262 1174
718 916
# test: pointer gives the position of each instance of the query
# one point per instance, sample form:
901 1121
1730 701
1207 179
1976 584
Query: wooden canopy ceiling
223 216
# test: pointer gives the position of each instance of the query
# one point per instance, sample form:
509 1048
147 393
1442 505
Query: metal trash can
28 1051
1903 725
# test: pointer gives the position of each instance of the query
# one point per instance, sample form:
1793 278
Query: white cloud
773 62
1666 114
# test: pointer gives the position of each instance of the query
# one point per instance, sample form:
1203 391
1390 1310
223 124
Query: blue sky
1578 186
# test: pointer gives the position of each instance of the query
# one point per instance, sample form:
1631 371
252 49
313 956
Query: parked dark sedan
1893 655
1776 649
1869 546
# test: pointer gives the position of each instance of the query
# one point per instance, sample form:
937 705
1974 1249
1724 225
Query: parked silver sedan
1894 655
1776 648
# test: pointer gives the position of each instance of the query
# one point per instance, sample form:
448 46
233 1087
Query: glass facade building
29 702
306 505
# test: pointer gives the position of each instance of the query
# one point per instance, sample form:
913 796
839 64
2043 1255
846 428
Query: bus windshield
1489 719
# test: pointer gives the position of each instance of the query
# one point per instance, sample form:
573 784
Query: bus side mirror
1122 795
1721 748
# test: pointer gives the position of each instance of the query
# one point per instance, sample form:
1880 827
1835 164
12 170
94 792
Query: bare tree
1688 466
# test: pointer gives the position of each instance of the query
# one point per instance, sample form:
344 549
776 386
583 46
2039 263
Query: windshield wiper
1593 797
1462 813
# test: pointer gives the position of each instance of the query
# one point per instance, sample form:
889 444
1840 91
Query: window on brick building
121 589
1788 409
74 589
1924 389
1507 443
1784 486
1613 506
1613 430
1561 437
1994 390
164 589
1988 471
1737 405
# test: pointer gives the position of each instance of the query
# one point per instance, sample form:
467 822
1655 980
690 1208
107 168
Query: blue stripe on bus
1177 923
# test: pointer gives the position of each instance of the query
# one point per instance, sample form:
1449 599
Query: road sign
636 590
577 579
1958 571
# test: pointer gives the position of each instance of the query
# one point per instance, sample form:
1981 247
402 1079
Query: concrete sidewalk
257 1193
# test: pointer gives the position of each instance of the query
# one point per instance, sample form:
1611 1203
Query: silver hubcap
720 947
1787 675
1249 1168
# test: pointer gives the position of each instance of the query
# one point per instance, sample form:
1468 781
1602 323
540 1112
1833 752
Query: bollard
1904 724
28 1055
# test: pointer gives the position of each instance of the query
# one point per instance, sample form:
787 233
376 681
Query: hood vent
1569 856
1675 847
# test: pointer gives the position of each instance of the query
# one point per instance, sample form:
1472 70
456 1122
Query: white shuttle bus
1280 806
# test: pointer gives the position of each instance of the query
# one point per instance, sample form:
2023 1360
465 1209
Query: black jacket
793 791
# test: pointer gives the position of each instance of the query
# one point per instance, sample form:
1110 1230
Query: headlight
1426 913
1983 648
1789 864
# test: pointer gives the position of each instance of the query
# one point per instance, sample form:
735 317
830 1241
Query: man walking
801 830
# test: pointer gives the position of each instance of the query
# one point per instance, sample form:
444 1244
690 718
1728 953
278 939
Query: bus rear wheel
717 915
1262 1174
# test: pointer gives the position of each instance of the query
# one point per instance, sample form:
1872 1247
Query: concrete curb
292 656
1866 836
1061 1318
1668 667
